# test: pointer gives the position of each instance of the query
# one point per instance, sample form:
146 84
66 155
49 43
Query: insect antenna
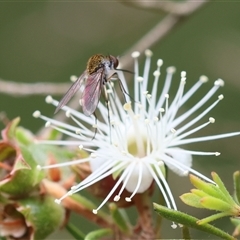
125 92
124 70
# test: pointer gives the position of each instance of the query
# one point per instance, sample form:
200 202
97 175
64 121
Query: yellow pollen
127 106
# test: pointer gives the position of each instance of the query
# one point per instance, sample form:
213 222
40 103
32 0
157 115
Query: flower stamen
146 135
129 199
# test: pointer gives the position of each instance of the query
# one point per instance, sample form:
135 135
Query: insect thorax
95 62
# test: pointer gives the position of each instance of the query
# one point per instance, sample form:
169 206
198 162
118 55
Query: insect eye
114 60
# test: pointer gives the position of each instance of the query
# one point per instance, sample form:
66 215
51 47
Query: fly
100 69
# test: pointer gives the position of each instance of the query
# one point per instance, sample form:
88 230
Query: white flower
146 134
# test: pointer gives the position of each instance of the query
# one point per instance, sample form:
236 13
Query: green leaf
191 200
76 233
236 222
189 221
199 193
43 214
215 204
213 217
9 132
42 152
208 188
24 136
24 176
236 181
98 234
221 186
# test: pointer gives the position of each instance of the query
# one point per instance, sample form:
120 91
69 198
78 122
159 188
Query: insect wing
71 91
92 91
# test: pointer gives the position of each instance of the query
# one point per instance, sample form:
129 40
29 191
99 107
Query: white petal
95 163
180 156
133 180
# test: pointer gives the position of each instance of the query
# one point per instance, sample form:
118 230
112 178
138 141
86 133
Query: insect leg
107 102
95 132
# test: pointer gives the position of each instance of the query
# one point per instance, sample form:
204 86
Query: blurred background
48 41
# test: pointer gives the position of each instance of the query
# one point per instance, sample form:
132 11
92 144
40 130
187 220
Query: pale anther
149 96
148 53
171 69
94 211
219 82
73 187
80 147
183 74
159 62
217 153
135 54
78 131
58 201
127 106
145 92
166 95
93 155
37 114
94 125
212 120
73 78
140 79
48 124
116 198
173 130
220 97
68 114
128 199
174 226
49 99
39 167
203 79
156 73
161 164
161 110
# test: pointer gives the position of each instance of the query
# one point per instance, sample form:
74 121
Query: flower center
134 150
138 139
